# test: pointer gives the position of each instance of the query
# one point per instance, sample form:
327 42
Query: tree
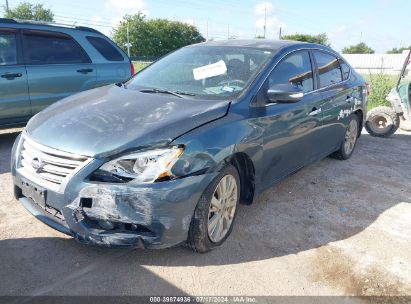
28 11
360 48
320 38
399 50
154 37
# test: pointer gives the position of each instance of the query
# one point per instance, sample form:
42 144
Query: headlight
144 167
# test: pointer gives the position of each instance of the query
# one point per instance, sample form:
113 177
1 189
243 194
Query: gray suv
41 63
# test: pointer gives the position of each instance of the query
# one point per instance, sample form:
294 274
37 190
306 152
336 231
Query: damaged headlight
144 167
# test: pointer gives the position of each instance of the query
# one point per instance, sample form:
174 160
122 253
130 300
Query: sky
382 24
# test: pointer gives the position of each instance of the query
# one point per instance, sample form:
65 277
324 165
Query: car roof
254 43
16 23
264 44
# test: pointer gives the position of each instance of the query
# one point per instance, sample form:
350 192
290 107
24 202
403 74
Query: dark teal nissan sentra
168 156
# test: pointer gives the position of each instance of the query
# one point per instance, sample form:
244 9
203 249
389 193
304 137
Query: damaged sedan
169 156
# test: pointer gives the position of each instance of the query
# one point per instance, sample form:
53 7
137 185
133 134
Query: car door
290 130
14 98
57 66
338 95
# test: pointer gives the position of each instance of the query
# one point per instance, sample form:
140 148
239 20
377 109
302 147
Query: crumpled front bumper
154 215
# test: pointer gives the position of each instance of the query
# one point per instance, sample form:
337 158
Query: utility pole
128 41
7 6
265 18
280 34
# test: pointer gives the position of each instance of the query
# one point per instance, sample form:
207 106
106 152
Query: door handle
11 75
85 71
314 112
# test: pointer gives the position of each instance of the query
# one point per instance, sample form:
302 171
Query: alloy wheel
222 208
351 136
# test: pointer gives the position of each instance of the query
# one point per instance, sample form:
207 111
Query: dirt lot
334 228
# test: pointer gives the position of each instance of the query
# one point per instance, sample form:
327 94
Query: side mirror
284 93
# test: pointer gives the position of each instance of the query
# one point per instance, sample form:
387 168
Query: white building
377 63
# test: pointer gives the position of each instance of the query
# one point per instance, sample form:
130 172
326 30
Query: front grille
48 167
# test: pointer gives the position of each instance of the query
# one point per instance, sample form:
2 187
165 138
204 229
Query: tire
199 237
382 122
350 139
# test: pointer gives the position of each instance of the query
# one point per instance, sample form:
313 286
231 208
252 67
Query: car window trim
118 49
318 74
342 61
55 34
317 89
288 53
311 64
19 53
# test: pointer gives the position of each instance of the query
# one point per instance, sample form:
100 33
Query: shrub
380 85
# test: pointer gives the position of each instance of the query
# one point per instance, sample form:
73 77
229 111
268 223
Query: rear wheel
382 122
350 139
214 216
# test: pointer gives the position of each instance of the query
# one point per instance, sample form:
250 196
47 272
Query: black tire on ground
346 150
382 122
198 236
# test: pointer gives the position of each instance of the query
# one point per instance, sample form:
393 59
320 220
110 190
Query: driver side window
295 70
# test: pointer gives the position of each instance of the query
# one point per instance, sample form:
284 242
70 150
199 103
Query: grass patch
380 85
139 65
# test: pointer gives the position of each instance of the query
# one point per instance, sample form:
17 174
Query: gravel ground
334 228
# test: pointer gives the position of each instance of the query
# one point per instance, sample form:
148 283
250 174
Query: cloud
265 14
188 21
264 7
117 9
134 5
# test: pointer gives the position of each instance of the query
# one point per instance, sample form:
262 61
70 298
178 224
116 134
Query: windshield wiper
174 93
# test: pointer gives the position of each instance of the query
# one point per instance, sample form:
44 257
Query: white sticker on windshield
228 89
210 70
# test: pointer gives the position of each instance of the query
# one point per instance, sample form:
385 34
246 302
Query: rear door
14 98
338 96
57 66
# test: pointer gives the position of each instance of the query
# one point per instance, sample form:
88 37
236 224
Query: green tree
154 37
399 50
360 48
28 11
320 38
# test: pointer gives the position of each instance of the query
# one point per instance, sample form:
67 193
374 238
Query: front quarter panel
209 147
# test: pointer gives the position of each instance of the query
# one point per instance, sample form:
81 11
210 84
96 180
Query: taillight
132 68
367 88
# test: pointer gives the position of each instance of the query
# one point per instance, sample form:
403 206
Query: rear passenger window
345 69
328 68
105 48
51 48
295 70
8 49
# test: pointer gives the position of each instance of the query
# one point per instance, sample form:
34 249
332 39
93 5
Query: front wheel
382 122
214 215
350 139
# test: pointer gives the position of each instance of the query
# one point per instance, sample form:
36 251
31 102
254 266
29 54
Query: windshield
203 71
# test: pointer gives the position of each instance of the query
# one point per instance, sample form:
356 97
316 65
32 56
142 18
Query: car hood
110 120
